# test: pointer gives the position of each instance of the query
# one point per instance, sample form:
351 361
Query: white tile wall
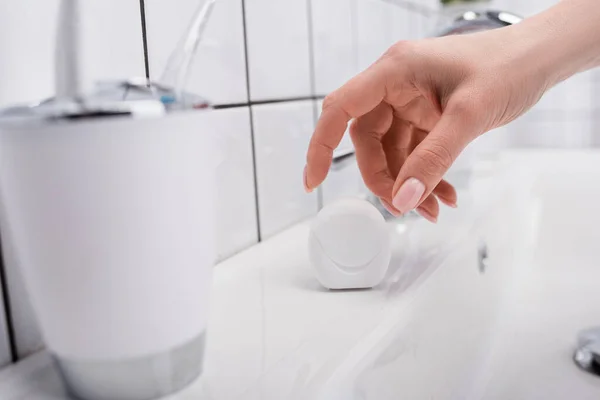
595 129
554 129
278 48
112 39
525 8
112 45
349 35
236 209
374 30
404 25
580 93
282 132
26 50
219 70
555 98
572 94
424 26
334 43
578 130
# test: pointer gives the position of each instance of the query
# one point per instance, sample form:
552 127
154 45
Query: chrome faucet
587 353
476 20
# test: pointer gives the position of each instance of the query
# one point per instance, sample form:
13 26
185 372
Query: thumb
425 167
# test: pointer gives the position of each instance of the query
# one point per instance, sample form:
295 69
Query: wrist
561 41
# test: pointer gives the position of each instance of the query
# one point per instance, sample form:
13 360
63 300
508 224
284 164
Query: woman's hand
417 108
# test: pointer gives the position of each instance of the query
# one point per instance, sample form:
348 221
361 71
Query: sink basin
509 332
485 305
556 290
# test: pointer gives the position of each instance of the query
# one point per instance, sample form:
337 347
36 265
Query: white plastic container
112 222
107 195
349 245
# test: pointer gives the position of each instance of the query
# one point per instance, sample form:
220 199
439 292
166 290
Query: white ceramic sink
509 333
556 291
451 328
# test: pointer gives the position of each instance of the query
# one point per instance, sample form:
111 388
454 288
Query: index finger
356 98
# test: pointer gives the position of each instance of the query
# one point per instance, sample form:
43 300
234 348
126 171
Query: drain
482 256
587 354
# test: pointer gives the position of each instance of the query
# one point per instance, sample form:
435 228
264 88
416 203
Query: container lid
138 98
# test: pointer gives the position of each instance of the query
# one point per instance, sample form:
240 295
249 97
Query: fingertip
408 195
427 215
317 167
448 203
429 209
313 177
307 189
446 193
452 203
391 209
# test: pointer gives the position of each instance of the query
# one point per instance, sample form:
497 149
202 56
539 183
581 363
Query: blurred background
266 65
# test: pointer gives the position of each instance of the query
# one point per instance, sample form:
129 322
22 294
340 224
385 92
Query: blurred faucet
475 20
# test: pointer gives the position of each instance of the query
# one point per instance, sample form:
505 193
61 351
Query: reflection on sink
508 333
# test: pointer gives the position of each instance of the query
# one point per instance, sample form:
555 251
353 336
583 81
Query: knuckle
319 151
324 149
460 105
465 106
403 49
335 102
354 128
404 53
434 159
329 101
379 182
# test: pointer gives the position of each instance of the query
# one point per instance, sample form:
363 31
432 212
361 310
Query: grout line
313 81
10 326
145 38
320 188
261 102
251 113
311 48
355 33
255 175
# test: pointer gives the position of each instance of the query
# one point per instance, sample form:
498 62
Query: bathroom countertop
274 333
271 328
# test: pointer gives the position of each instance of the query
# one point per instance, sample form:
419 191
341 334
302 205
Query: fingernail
409 195
306 188
427 215
448 203
390 208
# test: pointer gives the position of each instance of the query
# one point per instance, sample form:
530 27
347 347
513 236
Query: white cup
112 223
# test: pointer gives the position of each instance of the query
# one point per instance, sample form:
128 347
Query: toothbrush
68 73
177 72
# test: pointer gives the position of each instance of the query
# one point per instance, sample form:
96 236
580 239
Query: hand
418 106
